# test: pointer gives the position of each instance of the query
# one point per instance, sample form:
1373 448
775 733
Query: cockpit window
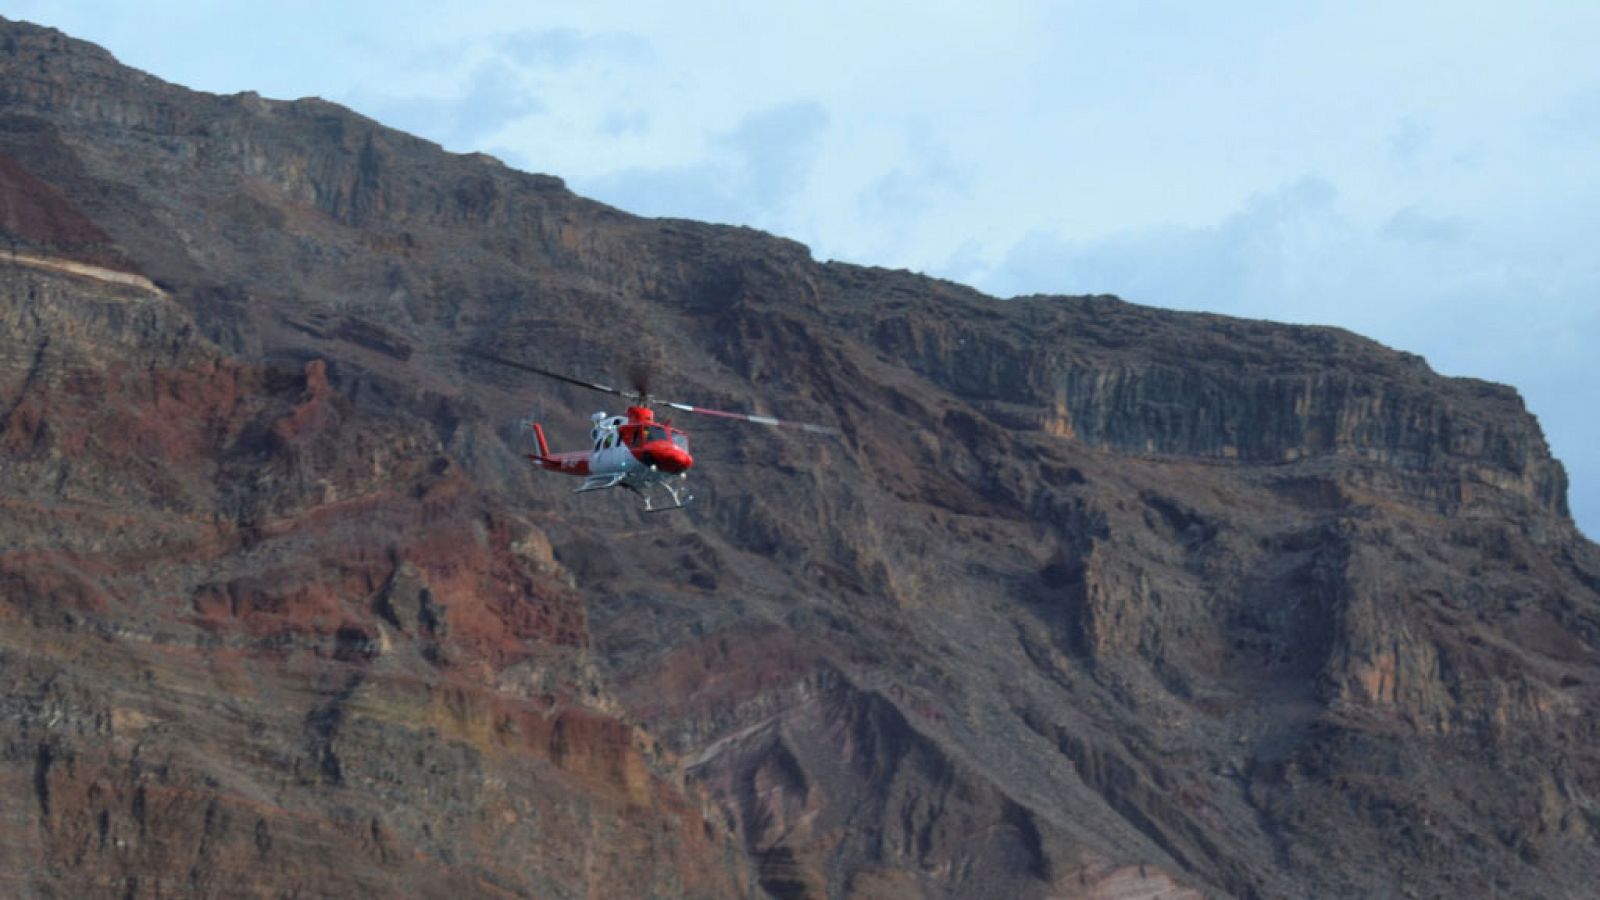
656 433
680 439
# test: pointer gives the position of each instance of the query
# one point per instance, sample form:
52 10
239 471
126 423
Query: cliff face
1089 599
259 640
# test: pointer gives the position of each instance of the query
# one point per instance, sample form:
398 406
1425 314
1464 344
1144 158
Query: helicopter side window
657 433
680 439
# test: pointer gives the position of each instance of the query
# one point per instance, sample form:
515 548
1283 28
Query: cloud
1407 143
619 123
564 48
1265 259
1411 224
925 175
773 150
1575 120
464 92
494 92
748 175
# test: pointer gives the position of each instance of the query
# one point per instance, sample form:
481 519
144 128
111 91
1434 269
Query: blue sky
1423 173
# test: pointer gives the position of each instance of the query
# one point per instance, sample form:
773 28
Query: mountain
1086 599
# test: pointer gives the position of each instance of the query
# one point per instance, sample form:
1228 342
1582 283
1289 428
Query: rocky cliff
1088 599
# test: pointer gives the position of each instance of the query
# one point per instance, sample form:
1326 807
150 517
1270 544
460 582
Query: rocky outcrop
33 213
1088 600
1106 373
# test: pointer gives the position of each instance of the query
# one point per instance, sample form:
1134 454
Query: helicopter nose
668 457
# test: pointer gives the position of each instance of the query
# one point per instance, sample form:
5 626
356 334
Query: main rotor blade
643 399
556 375
748 417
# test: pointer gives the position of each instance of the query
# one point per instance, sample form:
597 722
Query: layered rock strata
1088 600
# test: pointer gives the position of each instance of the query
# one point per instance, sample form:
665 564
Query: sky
1424 173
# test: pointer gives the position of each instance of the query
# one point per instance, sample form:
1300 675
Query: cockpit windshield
654 433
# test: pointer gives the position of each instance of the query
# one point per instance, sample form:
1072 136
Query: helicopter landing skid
679 496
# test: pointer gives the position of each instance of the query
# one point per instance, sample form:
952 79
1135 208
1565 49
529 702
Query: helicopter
634 451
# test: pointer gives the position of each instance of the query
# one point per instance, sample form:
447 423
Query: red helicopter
634 451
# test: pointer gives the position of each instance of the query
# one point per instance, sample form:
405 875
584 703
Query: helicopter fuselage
634 452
